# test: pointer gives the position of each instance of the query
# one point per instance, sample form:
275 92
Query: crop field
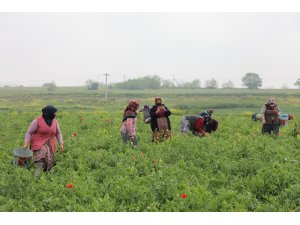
236 169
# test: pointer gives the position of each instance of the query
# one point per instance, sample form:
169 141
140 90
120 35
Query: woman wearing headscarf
198 125
128 129
160 122
41 136
270 117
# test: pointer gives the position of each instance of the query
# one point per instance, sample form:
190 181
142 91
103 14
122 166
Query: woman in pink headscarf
41 136
128 129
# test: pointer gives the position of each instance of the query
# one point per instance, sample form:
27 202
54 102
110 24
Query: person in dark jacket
270 117
198 125
160 122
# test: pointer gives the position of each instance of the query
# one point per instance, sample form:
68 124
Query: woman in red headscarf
128 129
160 122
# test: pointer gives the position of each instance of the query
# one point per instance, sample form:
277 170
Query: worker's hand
25 146
131 138
200 134
203 134
206 134
162 107
61 148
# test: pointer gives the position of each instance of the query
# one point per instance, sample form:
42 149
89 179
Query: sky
70 48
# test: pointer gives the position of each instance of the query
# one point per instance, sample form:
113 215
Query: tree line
250 81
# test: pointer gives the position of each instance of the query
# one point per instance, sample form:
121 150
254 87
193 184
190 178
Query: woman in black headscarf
41 138
49 113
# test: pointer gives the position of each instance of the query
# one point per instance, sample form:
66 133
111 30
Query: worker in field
146 112
207 115
270 117
128 128
160 122
40 136
198 125
210 124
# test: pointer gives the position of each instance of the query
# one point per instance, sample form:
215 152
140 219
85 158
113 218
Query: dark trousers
268 128
126 139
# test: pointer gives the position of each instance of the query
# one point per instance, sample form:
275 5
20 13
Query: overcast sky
70 48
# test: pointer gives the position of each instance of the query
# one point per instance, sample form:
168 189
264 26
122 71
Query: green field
235 169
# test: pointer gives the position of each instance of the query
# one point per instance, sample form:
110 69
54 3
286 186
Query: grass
235 169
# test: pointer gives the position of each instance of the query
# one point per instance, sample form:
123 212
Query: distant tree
142 83
50 86
297 83
284 86
167 84
196 83
91 85
193 85
228 84
252 81
211 84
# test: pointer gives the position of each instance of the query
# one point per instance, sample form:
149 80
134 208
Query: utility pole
173 81
106 75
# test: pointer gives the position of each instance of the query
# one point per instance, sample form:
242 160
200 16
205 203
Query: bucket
22 157
283 118
283 122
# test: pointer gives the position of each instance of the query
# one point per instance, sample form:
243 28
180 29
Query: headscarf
156 101
206 117
131 109
212 126
271 103
210 111
49 114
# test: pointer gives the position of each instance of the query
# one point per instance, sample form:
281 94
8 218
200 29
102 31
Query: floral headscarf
271 103
131 109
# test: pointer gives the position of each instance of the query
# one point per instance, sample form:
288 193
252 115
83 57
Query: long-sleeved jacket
270 115
164 112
